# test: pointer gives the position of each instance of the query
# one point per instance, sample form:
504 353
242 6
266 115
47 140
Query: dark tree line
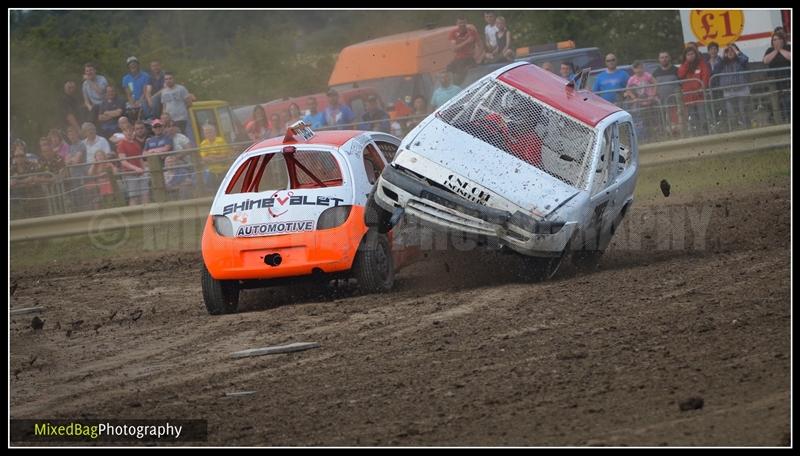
249 56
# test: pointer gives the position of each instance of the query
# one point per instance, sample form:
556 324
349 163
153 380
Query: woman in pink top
638 91
640 96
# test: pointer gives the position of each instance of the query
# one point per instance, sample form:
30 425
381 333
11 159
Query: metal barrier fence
763 100
75 189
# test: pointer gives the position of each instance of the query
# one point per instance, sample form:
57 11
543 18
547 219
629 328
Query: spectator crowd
107 132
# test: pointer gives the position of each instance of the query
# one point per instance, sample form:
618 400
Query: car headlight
223 226
333 217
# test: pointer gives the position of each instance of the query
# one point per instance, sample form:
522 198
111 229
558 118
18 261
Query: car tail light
333 217
223 226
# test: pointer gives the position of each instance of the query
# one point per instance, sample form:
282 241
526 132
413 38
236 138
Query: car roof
335 138
552 90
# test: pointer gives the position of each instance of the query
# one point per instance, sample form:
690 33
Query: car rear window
520 125
280 171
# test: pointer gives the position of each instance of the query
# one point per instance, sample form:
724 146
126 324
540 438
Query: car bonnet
456 154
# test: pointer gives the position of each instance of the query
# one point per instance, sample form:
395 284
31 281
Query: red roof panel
552 90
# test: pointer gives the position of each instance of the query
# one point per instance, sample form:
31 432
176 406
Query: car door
627 160
602 201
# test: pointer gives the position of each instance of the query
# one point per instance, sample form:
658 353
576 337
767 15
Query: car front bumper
440 208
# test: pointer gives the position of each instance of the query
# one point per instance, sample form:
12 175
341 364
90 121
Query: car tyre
373 266
220 296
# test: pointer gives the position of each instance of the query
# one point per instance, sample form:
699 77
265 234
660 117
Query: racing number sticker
721 26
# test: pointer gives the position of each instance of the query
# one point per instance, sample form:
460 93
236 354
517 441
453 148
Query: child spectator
178 178
102 173
490 32
638 91
641 94
502 52
216 154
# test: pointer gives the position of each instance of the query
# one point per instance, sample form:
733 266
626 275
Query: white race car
522 159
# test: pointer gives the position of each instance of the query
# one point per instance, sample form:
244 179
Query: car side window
373 165
601 172
625 145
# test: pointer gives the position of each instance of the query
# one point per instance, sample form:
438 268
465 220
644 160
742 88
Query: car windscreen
522 126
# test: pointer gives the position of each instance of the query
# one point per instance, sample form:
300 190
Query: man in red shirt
465 40
134 174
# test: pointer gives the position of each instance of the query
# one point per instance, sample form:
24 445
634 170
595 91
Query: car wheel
376 216
220 296
373 266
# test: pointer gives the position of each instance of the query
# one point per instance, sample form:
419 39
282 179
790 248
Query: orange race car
294 207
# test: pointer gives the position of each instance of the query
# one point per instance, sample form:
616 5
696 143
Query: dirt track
460 354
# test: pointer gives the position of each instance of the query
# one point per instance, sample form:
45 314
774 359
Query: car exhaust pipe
273 259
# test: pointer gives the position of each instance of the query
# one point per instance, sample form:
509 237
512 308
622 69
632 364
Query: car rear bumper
327 251
442 209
